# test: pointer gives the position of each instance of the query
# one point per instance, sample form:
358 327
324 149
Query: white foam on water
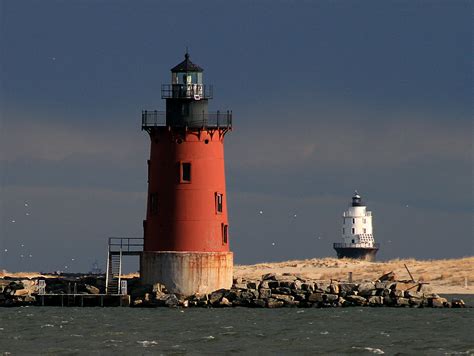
147 343
210 337
76 335
300 311
324 332
47 326
370 349
228 327
1 329
384 333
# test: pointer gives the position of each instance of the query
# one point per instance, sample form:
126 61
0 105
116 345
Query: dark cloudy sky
328 97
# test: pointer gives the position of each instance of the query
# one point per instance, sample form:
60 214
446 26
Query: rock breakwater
271 291
290 290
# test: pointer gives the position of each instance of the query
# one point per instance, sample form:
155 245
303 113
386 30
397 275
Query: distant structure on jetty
358 239
186 231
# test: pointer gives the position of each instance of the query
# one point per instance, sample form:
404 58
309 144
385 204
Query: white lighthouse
357 234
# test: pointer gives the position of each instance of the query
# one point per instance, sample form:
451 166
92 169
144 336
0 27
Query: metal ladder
118 247
114 271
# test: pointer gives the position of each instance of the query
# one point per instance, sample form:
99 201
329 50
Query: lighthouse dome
356 199
186 66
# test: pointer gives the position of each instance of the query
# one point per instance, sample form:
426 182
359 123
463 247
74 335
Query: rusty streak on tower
186 231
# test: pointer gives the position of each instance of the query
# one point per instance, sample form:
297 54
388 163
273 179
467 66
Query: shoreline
446 276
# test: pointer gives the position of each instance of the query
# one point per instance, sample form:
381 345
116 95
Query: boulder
240 286
91 289
252 285
171 301
249 294
281 290
413 294
389 301
296 285
20 292
390 276
316 297
397 293
346 288
264 293
238 280
366 289
283 297
274 303
268 276
425 288
216 296
273 284
307 286
321 287
258 303
334 288
437 302
225 302
233 294
299 296
356 299
415 301
330 298
458 303
402 302
29 299
375 300
381 285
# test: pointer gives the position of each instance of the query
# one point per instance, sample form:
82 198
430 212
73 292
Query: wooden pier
83 300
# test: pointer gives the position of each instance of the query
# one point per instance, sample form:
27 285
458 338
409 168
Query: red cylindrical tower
186 231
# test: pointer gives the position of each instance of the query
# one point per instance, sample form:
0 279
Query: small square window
219 202
353 230
353 221
185 172
365 230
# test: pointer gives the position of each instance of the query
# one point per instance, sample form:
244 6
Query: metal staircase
118 247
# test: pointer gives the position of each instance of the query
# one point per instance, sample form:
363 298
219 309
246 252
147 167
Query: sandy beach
450 276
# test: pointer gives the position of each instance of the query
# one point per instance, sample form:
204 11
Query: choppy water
36 330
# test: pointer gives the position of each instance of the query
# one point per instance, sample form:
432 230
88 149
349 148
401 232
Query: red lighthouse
186 231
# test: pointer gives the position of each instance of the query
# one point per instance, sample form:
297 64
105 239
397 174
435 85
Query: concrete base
187 273
359 253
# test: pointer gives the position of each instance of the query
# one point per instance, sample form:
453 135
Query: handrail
356 245
217 119
187 91
125 244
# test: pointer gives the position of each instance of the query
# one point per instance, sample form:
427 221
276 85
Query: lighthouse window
153 203
219 202
365 230
225 229
185 172
149 162
353 230
353 221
